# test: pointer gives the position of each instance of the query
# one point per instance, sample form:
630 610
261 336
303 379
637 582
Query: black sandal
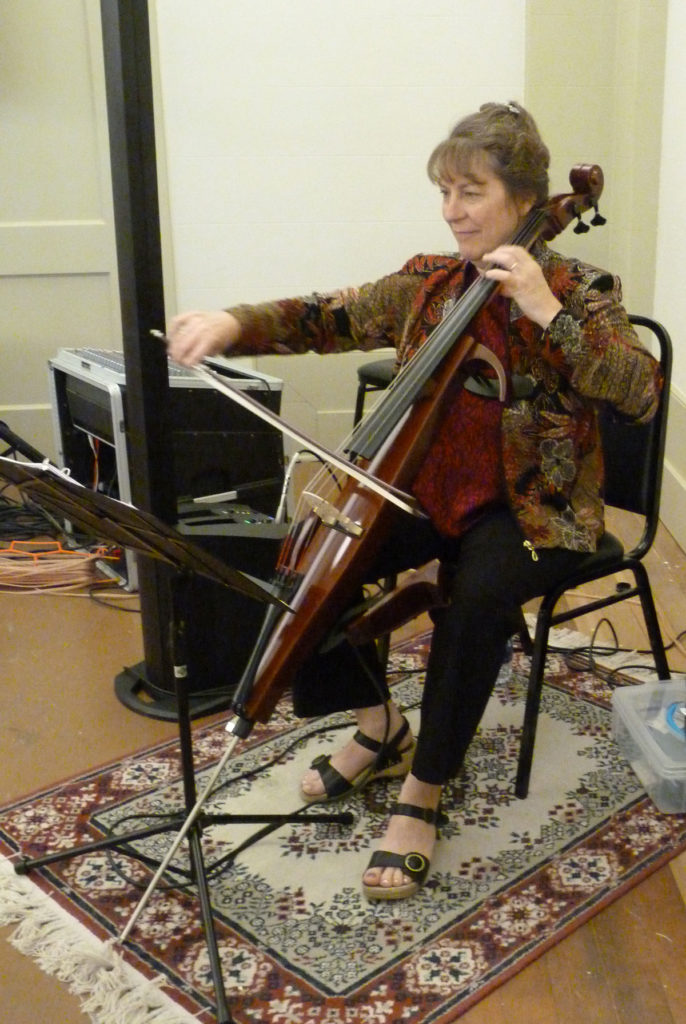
389 763
414 865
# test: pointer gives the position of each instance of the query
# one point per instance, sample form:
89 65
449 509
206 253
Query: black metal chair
634 457
374 376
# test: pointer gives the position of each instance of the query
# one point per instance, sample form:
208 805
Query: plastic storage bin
648 724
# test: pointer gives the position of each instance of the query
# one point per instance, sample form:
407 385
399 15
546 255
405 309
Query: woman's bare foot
353 758
406 834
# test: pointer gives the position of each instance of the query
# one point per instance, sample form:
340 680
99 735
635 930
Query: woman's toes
385 877
312 784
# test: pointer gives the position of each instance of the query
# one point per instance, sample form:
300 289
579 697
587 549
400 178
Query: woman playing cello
512 490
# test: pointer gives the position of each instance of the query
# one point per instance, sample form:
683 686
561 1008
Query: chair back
634 452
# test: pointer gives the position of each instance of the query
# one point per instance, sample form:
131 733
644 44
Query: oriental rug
299 943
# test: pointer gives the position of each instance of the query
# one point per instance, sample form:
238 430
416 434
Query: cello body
334 562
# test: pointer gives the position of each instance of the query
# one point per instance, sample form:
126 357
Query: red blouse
462 473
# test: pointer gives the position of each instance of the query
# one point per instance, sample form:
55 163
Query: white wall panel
58 277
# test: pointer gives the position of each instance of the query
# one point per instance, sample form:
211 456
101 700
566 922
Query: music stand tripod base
100 516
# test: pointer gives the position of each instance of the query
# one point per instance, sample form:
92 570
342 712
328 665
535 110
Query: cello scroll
587 181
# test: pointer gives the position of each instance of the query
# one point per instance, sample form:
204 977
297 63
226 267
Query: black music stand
103 517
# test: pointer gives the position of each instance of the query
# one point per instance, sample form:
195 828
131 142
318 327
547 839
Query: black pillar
128 79
126 40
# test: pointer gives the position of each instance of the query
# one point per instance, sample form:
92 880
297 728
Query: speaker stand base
135 691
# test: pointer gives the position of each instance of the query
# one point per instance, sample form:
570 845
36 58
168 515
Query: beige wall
296 137
670 295
594 78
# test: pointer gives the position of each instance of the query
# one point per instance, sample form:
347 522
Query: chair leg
657 645
383 644
533 701
524 635
359 403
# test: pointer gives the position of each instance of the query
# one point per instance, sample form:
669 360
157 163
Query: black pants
491 575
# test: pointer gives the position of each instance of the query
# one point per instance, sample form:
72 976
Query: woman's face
480 211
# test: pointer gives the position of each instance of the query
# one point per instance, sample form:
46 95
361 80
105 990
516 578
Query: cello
329 551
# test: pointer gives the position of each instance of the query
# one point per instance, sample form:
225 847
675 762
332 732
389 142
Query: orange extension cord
46 564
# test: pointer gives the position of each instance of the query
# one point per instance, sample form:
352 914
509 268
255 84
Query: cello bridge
332 516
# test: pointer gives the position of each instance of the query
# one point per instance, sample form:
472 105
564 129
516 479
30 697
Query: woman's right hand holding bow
194 335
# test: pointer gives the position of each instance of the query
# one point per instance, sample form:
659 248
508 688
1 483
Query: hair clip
513 108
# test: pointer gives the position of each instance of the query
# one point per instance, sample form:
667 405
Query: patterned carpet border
299 945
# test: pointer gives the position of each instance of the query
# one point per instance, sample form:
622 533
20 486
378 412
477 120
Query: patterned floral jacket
551 452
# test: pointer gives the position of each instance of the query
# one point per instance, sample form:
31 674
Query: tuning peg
581 228
598 220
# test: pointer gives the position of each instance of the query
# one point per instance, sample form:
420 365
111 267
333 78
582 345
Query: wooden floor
60 655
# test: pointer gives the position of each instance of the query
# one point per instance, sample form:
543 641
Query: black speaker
217 446
220 447
221 627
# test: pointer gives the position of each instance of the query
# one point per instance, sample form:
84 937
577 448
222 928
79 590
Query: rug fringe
108 988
